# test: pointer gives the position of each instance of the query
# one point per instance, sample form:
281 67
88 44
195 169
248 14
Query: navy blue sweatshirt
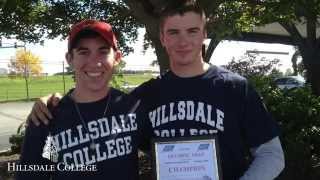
216 102
116 138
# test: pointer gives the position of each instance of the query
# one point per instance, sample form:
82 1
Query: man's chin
96 87
183 62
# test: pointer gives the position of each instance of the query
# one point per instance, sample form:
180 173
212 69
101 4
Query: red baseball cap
102 28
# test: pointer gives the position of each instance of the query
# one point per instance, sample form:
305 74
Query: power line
267 52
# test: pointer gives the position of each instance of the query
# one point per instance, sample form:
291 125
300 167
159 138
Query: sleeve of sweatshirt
31 159
268 161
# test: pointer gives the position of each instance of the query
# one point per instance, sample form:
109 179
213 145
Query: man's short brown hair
180 7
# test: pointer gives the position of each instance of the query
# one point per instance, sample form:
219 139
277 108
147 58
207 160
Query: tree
294 61
249 66
288 72
51 17
260 72
147 13
297 66
25 63
31 19
288 14
34 20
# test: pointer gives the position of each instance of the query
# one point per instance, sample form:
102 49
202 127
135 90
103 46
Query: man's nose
183 39
95 59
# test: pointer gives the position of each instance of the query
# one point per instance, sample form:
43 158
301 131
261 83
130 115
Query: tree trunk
294 61
311 62
209 51
153 32
161 56
313 74
146 13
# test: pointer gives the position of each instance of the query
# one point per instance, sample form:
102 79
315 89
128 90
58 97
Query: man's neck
190 71
89 96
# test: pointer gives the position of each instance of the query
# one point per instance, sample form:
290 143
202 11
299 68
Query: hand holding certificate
193 158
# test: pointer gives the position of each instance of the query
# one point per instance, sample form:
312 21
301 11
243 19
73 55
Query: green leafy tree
297 112
288 72
249 66
31 19
289 14
298 67
34 20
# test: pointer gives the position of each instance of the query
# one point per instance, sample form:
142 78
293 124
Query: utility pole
26 67
26 75
26 72
267 52
64 81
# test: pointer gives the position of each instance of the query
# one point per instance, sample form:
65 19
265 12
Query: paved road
11 116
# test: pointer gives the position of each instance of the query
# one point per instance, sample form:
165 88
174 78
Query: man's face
93 61
182 36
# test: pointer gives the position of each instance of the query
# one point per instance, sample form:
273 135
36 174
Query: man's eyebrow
81 48
104 47
172 30
194 29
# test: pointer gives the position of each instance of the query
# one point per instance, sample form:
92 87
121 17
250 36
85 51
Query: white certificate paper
187 160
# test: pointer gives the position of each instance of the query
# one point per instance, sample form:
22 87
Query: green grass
135 79
15 88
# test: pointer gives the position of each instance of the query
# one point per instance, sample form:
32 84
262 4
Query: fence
28 86
20 94
16 88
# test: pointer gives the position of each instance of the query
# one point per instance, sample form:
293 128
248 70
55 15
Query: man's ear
68 57
205 33
117 58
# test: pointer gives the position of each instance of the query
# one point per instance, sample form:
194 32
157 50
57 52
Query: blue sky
52 53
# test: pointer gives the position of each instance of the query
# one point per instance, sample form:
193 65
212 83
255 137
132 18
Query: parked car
290 82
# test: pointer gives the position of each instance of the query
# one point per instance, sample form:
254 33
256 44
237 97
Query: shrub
16 140
298 114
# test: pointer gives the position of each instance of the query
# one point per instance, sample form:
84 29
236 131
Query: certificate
186 158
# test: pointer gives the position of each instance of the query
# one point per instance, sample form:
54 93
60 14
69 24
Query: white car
290 82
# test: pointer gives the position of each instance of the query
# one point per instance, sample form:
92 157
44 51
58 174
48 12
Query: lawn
15 88
136 79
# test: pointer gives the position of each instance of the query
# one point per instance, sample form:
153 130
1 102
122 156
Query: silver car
290 82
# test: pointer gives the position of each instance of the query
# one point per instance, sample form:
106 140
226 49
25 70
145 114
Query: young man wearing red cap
96 129
195 98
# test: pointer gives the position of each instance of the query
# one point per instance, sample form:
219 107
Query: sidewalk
12 114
